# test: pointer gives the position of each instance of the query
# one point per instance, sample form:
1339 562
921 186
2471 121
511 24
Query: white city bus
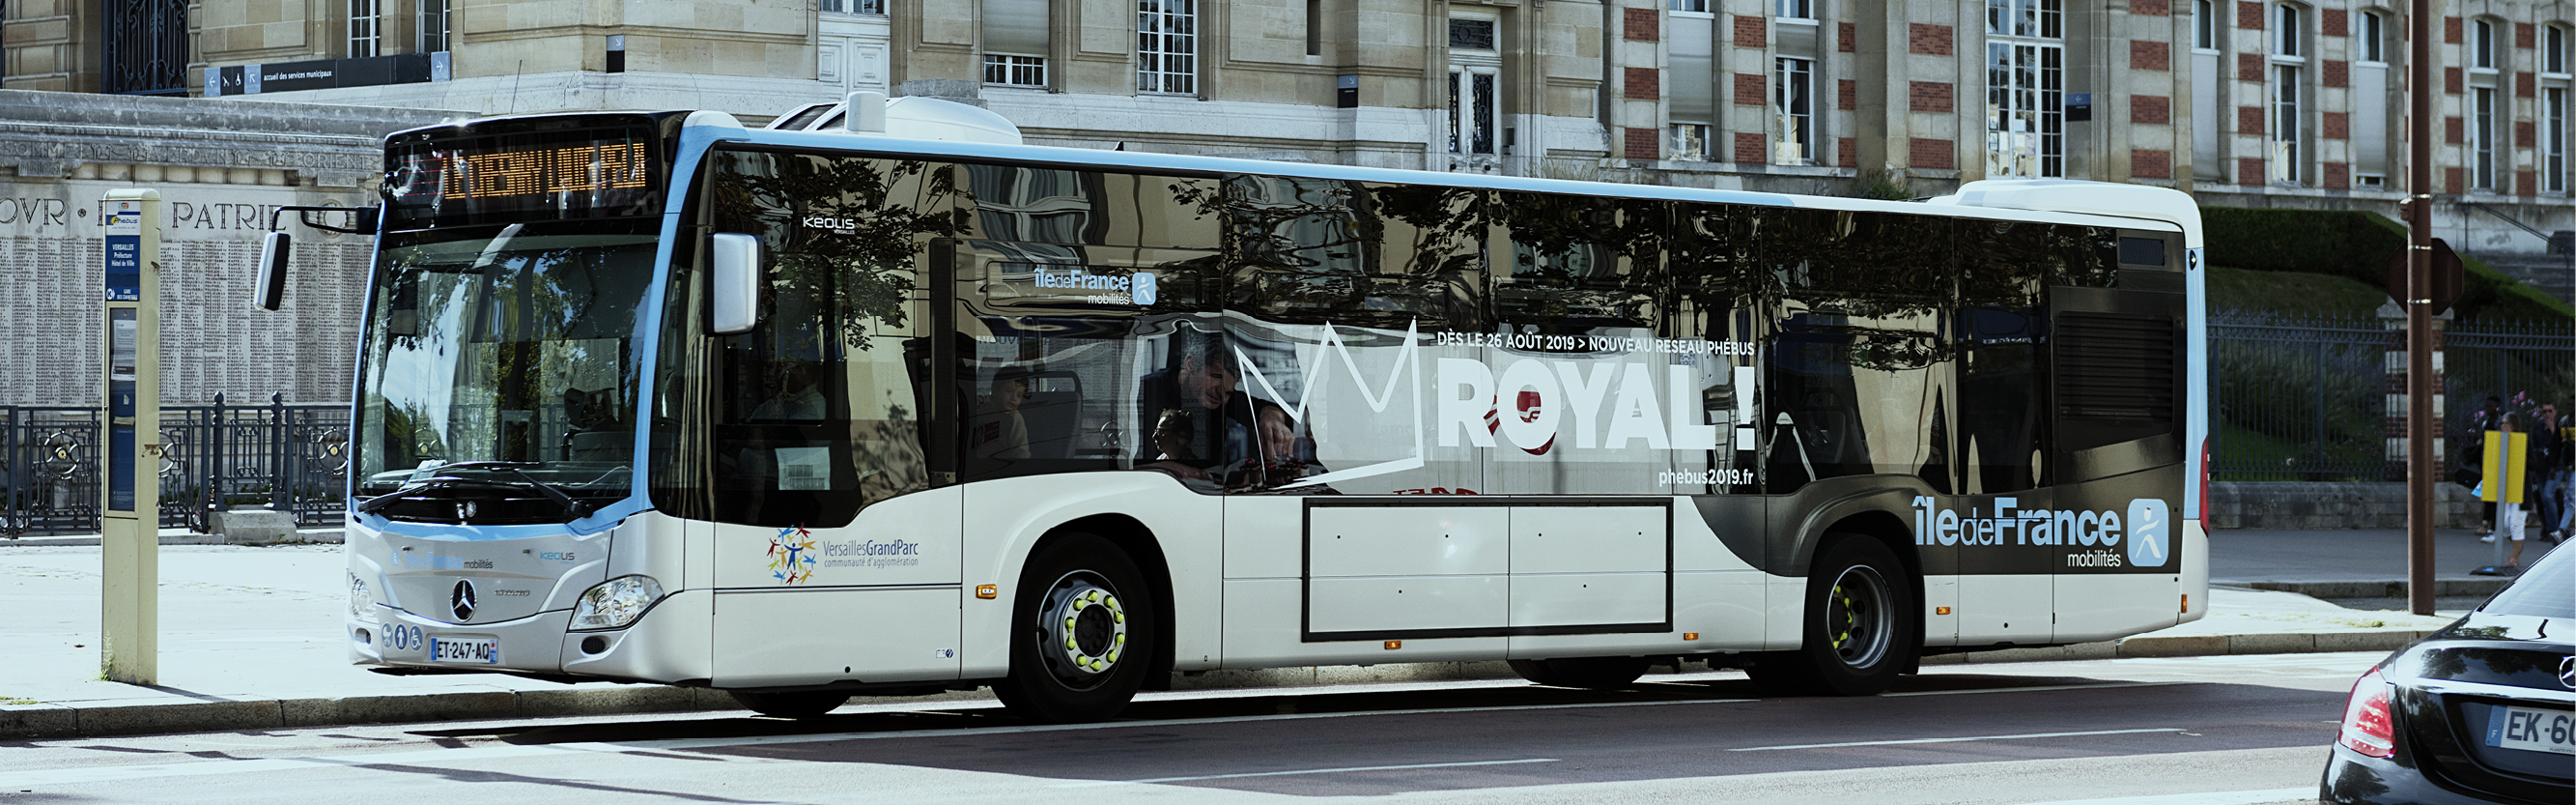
803 414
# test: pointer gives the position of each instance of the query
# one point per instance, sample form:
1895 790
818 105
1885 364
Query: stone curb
331 536
2376 589
42 721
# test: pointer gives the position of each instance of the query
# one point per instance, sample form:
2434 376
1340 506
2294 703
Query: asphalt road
2208 730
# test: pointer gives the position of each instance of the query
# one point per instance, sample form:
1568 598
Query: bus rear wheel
793 704
1598 673
1860 629
1085 632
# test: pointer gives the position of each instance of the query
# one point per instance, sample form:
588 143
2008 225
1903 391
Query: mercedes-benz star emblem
462 601
465 511
2567 672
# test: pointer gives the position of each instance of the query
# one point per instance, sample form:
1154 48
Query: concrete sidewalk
250 639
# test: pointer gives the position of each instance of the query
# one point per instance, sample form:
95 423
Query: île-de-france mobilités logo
791 556
2150 533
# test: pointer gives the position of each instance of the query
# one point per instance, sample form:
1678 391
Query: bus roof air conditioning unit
918 118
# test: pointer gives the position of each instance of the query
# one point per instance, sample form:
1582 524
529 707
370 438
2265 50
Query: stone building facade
2295 103
222 169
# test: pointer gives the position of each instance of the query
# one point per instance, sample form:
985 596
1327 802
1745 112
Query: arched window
2373 46
2204 25
2288 25
2287 120
2482 50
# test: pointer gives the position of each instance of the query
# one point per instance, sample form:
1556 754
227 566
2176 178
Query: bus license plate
483 650
2532 730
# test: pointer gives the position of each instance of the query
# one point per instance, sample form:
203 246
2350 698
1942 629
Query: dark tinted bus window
1315 250
2002 339
1076 208
1855 359
1579 262
817 413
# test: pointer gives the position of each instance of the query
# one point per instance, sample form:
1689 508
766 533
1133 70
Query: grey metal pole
2419 311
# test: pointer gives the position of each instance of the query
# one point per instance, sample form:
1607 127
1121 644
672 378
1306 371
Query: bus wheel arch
1862 567
1142 546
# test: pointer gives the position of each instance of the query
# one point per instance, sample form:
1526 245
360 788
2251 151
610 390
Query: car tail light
2366 725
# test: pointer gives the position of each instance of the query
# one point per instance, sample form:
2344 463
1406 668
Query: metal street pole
130 525
2419 312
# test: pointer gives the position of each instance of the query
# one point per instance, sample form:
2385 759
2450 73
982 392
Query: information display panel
575 168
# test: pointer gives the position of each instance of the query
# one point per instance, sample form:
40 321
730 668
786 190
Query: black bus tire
1084 632
1598 673
1860 630
791 704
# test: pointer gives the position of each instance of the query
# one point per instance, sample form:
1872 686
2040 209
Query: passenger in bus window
1204 382
999 433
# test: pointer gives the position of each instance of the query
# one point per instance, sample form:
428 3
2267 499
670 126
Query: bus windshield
503 344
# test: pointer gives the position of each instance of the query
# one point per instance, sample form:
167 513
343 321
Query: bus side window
2001 334
1856 382
818 412
1579 262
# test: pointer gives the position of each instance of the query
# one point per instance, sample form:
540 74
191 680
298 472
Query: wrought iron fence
2307 399
2297 398
2533 363
292 458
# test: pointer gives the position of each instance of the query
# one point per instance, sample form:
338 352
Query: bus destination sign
584 174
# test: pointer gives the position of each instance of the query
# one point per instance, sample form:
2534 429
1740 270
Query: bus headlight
615 603
362 602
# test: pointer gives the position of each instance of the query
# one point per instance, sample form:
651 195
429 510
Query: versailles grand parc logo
792 555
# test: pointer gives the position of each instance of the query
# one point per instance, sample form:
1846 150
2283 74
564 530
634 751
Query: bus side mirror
271 288
734 298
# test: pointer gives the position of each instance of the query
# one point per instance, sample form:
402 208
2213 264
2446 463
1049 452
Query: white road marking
2096 686
30 779
1347 769
2302 794
1954 740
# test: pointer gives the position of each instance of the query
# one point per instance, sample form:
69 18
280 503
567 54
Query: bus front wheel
1085 632
1860 625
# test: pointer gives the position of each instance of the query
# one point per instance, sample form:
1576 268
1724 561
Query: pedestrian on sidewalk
2558 470
2482 421
2506 466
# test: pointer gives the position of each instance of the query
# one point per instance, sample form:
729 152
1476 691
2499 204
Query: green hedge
2355 245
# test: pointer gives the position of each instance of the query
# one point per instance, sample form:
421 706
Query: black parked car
2482 711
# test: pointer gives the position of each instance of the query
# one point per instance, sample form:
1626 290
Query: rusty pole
2419 313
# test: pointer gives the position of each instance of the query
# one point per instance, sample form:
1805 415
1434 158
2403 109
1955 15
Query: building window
1689 144
2482 46
1473 108
2482 138
1475 93
2553 53
1793 101
1005 70
433 26
2025 89
1471 34
1167 46
2374 38
2286 129
1697 6
2286 31
2204 25
2553 115
366 27
852 7
1796 10
2024 18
